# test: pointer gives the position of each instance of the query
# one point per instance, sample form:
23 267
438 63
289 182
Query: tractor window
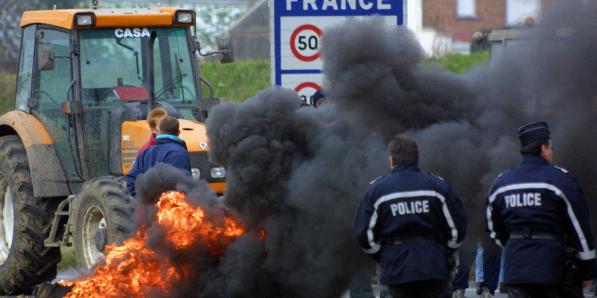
114 85
25 68
52 79
111 58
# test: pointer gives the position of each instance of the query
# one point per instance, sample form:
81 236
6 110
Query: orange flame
135 270
189 225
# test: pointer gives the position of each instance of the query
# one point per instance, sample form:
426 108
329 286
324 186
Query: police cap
532 132
318 95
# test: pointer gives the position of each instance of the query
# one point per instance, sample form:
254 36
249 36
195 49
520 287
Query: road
72 274
470 293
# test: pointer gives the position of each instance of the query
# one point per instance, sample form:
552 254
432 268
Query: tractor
85 83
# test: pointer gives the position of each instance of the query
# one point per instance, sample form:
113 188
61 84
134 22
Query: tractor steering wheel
169 93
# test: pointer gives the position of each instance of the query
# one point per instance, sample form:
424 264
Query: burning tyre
136 269
24 222
104 216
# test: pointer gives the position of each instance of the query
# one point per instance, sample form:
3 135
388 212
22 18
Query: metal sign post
298 26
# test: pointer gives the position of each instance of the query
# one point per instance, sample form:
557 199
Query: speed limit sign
298 29
305 90
304 42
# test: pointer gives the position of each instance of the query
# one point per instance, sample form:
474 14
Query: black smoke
206 265
466 124
299 172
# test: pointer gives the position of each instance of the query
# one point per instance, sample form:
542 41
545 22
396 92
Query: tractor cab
91 76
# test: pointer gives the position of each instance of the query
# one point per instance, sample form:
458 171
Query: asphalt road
470 293
72 274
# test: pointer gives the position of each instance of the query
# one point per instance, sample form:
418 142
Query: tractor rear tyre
24 224
105 215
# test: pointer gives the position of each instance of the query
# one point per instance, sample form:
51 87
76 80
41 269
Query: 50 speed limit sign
305 42
299 27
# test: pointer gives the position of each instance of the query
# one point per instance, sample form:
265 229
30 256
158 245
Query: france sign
298 26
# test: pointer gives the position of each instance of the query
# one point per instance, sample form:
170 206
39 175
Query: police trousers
543 291
421 289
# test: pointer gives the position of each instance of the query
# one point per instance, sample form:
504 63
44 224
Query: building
250 34
441 26
448 25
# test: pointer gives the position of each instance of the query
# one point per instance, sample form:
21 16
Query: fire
135 270
189 225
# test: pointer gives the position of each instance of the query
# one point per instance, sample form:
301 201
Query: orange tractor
86 81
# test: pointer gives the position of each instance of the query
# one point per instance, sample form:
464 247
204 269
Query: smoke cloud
298 173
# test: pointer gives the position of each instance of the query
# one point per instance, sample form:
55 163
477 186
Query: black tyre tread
29 262
116 204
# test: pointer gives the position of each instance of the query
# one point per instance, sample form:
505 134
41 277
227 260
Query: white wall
517 11
433 43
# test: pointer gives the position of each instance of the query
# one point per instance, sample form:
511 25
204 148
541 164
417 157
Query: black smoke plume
299 172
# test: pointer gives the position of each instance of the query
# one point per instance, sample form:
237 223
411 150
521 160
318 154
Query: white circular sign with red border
306 89
305 42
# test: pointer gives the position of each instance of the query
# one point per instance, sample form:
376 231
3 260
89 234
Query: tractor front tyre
24 224
105 215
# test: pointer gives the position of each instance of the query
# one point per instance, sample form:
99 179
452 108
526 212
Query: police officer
537 212
318 98
411 222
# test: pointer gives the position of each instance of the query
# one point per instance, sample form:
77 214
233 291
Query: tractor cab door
52 85
112 91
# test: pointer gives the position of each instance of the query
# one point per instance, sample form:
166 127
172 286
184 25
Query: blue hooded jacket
169 149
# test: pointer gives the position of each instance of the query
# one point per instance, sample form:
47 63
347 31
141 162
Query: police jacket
409 221
533 210
169 149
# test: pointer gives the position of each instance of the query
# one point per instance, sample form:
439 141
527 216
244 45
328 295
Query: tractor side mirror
45 57
225 47
196 46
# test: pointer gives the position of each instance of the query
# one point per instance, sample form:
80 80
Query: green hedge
7 91
237 81
459 63
243 79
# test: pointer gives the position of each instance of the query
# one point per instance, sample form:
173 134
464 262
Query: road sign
298 26
304 42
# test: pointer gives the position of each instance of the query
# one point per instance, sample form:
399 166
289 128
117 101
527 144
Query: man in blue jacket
412 223
169 149
537 212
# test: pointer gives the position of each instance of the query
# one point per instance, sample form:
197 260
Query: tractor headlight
186 17
195 173
218 172
85 20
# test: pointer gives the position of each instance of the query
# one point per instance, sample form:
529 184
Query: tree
10 32
214 20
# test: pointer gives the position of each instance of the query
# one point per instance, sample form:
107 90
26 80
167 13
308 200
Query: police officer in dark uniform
537 212
411 222
318 98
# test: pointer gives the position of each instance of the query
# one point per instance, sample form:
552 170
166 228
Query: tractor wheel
24 224
105 215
